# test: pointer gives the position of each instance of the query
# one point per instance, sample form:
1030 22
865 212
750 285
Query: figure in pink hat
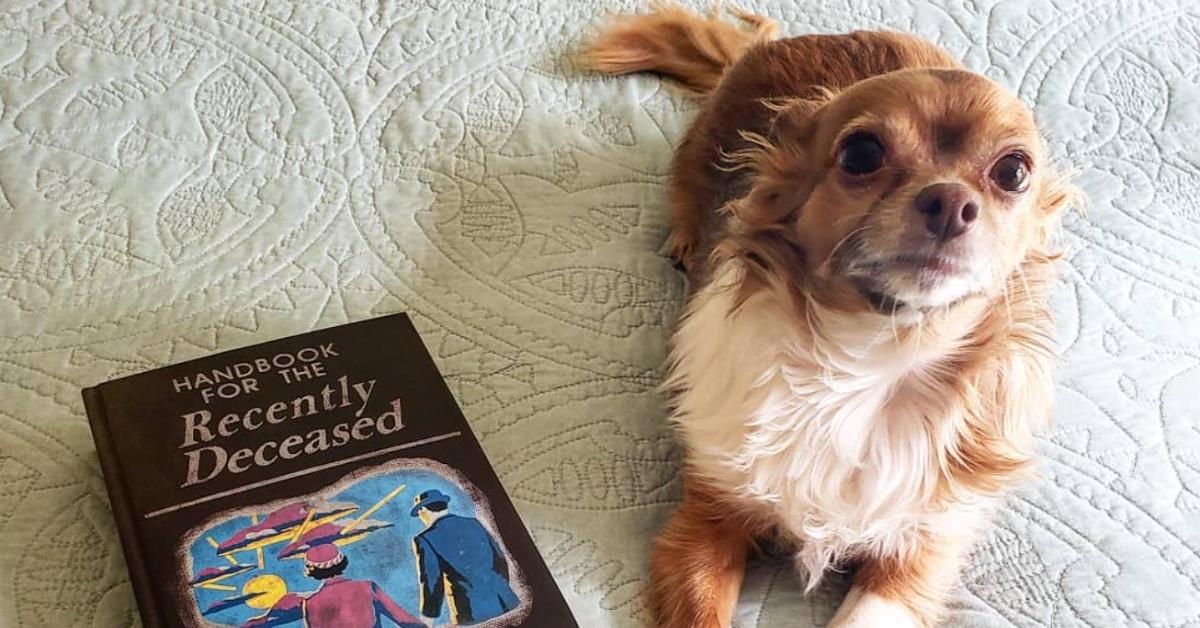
339 602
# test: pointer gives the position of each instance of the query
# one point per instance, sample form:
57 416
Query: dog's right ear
782 179
797 117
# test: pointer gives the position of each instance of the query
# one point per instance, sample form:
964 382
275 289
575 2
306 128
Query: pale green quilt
182 177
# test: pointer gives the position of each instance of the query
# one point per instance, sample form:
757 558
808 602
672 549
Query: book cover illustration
403 539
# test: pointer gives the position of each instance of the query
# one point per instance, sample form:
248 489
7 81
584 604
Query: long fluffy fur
852 433
859 436
675 42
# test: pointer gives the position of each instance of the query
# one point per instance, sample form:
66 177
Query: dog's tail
675 42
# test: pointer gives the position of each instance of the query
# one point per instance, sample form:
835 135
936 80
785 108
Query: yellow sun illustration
273 586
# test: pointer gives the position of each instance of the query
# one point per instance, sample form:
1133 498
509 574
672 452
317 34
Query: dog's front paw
862 609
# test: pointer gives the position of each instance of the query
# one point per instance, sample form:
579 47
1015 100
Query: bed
178 178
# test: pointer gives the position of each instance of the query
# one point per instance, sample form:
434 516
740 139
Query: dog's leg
686 224
904 592
689 200
697 564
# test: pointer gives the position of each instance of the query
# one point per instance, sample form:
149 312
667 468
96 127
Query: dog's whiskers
853 233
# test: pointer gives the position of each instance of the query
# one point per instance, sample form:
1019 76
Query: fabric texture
181 177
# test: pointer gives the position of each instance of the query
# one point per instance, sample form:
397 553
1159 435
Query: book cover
323 480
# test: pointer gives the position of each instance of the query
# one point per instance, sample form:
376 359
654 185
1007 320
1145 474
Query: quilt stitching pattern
186 176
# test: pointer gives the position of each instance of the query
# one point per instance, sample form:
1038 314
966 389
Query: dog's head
913 189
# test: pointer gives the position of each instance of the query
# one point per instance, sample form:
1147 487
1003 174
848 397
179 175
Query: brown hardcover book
324 480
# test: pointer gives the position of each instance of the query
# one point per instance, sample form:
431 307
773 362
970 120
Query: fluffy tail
675 42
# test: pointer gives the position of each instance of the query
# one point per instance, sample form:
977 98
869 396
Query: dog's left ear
781 183
1057 194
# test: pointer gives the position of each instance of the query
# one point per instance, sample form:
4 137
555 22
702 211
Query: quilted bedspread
181 177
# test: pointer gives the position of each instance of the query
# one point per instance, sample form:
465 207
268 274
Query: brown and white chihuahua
866 352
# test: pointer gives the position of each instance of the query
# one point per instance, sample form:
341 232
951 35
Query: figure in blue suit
457 559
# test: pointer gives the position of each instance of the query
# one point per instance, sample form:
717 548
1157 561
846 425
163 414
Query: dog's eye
1011 173
861 153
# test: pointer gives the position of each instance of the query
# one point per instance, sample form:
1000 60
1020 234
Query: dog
866 353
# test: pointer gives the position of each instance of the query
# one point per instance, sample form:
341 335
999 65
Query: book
325 479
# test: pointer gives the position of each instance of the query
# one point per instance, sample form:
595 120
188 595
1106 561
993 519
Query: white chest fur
829 426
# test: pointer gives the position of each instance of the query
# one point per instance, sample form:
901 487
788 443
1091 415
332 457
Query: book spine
118 497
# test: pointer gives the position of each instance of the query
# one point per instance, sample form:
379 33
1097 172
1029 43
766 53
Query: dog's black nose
949 209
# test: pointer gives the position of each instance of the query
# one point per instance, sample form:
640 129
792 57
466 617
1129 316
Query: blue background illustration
384 556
